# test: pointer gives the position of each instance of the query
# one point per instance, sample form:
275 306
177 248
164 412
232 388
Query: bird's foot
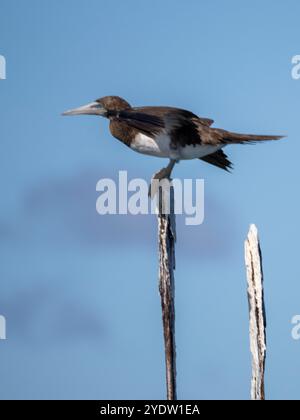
164 173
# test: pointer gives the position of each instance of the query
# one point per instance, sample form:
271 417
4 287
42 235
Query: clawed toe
154 185
164 173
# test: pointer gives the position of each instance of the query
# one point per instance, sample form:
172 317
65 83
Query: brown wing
182 126
171 112
149 124
206 121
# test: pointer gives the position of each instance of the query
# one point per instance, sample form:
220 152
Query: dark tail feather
218 159
236 138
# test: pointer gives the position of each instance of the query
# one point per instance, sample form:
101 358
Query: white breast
160 146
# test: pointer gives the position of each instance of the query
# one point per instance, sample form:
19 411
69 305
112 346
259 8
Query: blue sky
79 291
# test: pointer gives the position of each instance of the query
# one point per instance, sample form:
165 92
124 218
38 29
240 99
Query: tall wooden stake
166 240
257 313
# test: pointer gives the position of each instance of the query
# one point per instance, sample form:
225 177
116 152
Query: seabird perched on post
167 132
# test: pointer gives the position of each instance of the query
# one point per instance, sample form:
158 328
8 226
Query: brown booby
167 132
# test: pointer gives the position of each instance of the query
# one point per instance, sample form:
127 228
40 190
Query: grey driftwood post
257 313
166 241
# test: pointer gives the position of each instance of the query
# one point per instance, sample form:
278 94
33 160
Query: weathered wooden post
257 313
166 242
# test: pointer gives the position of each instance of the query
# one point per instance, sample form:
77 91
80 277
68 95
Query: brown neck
121 131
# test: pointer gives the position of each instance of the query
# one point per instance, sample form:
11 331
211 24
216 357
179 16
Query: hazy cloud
65 210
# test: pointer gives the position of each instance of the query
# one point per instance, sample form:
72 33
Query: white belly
160 147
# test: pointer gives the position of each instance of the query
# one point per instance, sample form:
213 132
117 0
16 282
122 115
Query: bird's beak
94 108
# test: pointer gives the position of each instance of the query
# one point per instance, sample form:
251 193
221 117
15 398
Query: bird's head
105 107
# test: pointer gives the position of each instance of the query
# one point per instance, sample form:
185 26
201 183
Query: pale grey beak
94 108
